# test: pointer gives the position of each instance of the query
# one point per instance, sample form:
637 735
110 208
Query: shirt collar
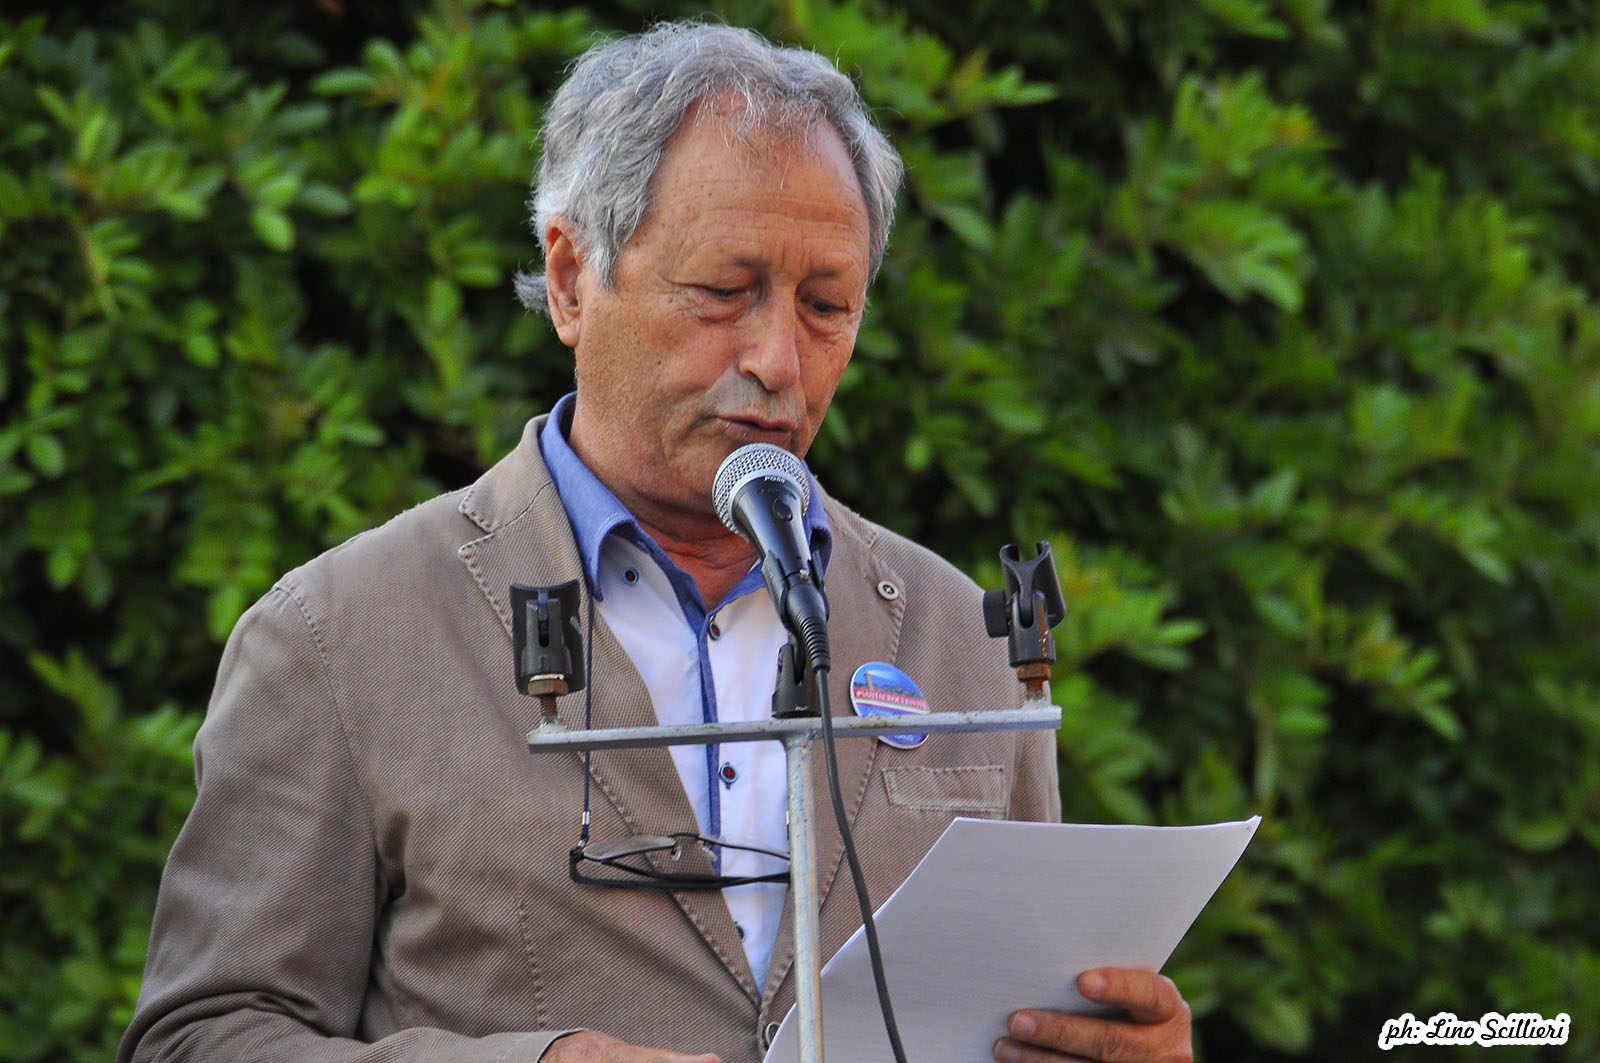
595 513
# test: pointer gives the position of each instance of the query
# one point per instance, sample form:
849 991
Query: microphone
760 492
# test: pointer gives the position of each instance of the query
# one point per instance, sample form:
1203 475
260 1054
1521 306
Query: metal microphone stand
1023 608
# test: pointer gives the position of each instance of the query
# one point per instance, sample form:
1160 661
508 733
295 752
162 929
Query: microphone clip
546 640
1024 611
795 693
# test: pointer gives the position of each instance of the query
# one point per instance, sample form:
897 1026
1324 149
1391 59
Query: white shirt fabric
741 639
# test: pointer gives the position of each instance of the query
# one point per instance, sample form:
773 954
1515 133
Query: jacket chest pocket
982 790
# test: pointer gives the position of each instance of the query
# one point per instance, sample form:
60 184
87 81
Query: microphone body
761 492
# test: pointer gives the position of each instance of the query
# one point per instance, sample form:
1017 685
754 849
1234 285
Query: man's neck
714 557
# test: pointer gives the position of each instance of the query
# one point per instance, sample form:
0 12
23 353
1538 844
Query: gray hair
607 127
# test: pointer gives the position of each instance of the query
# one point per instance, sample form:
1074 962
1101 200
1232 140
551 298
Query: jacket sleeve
263 935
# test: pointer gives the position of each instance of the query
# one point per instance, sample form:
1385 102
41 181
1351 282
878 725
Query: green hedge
1278 318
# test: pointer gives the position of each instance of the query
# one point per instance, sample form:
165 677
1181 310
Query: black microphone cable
769 519
868 925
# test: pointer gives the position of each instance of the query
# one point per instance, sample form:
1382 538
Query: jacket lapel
528 539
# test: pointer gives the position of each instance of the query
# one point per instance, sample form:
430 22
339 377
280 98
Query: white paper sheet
1002 915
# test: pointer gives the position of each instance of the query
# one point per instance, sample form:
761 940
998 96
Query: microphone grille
751 462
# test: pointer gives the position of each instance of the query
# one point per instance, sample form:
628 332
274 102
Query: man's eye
720 293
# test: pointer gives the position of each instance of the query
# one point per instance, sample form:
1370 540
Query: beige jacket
376 867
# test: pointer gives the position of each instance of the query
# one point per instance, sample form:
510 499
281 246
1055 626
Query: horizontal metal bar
1028 718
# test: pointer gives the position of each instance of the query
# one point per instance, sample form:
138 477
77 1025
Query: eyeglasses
627 863
630 862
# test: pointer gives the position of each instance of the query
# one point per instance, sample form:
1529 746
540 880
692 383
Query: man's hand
1156 1029
592 1046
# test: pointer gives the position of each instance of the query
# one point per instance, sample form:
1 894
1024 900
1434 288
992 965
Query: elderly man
377 869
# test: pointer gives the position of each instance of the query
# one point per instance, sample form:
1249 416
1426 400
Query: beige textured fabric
375 867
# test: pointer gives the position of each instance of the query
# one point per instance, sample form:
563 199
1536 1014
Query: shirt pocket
982 790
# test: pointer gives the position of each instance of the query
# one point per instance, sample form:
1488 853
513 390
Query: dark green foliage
1278 318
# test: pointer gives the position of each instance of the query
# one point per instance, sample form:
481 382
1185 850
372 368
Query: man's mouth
759 429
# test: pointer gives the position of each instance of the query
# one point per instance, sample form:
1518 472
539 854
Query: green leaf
1441 719
95 134
1536 834
86 345
223 609
273 227
201 349
384 59
1280 613
46 454
967 222
346 81
478 275
443 304
324 199
278 192
1281 1023
1243 249
14 198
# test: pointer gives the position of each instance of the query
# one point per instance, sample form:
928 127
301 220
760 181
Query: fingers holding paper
1156 1029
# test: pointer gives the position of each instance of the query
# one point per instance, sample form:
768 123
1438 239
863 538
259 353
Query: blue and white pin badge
879 689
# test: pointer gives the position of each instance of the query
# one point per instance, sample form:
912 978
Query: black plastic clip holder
547 641
795 693
1024 611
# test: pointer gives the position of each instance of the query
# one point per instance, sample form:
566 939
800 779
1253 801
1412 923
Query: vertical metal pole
803 894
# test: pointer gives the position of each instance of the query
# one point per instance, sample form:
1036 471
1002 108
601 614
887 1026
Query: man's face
733 313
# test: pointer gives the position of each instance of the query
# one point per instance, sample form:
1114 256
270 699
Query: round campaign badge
879 689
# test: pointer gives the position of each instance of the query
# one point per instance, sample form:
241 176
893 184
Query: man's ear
563 263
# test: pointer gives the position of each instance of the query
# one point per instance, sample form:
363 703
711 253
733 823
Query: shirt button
729 774
630 575
740 928
714 629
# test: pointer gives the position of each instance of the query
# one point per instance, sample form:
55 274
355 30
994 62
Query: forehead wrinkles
780 209
709 205
769 234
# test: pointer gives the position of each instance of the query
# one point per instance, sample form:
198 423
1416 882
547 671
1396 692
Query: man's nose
772 356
